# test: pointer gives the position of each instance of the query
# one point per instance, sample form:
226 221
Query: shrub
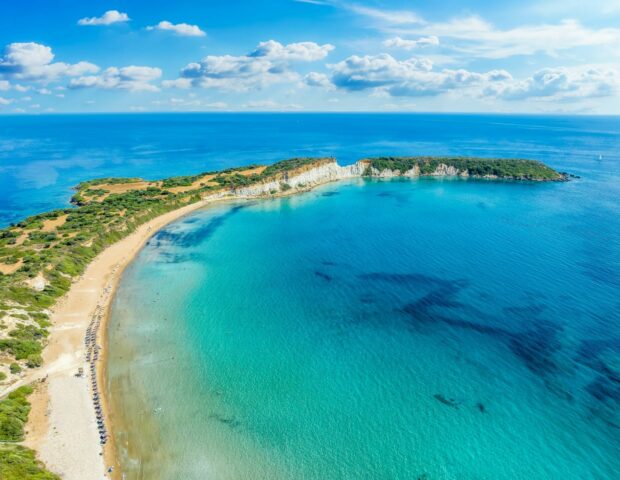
20 463
14 411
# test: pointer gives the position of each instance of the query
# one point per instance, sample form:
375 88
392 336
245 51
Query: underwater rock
451 402
323 275
228 421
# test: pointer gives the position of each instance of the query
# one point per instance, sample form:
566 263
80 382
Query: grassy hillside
514 169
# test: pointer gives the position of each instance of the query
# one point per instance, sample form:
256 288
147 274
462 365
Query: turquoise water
431 329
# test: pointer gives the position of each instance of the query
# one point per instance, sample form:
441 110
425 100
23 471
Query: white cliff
325 171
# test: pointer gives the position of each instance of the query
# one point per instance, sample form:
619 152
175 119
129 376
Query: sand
62 425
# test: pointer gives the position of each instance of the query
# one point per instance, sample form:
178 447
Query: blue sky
308 55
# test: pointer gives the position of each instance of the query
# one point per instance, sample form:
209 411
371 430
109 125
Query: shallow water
436 329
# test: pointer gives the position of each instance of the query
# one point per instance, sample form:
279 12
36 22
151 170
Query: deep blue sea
42 157
402 329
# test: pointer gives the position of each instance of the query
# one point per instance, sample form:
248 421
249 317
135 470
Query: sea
427 329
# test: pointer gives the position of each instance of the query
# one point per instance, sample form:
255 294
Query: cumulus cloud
5 101
33 61
181 29
315 79
384 75
269 63
4 85
302 52
412 77
560 84
398 42
132 78
108 18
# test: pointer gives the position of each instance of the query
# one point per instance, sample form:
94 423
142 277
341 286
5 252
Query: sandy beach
62 425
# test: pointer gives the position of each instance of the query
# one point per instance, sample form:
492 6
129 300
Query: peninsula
58 271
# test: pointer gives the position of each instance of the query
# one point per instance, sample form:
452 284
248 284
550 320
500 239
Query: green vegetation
15 368
20 463
478 167
14 411
291 164
17 462
2 376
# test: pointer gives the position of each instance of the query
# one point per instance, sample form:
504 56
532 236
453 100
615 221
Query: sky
543 56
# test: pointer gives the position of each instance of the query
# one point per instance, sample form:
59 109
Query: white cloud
191 104
315 79
561 84
182 29
314 2
412 77
270 105
4 85
44 91
108 18
216 105
393 17
383 75
132 78
302 52
21 88
398 42
5 101
482 39
472 35
33 61
269 63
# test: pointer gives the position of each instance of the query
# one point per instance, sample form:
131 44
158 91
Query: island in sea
58 271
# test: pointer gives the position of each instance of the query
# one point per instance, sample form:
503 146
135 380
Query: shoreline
62 423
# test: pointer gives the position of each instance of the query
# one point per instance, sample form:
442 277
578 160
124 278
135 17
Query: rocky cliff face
302 179
442 170
325 171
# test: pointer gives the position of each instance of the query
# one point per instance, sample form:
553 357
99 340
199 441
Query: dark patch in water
450 402
413 279
190 237
591 353
330 194
228 421
328 263
536 347
323 275
603 390
367 298
525 312
481 408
